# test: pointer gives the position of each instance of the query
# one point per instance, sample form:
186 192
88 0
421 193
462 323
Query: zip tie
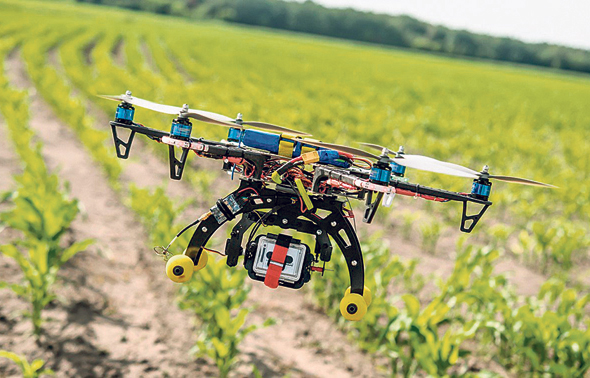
303 194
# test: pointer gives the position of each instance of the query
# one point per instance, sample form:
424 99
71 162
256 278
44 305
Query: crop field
82 293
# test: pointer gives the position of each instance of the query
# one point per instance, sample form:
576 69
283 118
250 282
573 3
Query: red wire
251 172
424 196
364 161
252 189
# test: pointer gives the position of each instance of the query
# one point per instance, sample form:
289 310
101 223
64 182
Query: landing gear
367 296
353 307
325 218
180 268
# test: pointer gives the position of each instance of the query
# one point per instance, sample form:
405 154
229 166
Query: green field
524 122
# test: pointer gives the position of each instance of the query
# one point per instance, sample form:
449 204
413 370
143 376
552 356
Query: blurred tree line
401 31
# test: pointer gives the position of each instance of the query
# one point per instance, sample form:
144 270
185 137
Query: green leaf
20 290
72 250
412 305
222 316
220 347
11 356
37 364
454 355
256 372
446 346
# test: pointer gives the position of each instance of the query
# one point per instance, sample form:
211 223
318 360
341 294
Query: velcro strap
286 147
277 261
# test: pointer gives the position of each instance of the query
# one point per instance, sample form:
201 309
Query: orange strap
277 261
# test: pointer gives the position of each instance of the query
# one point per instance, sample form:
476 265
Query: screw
333 224
239 117
319 232
285 221
204 229
178 270
485 169
128 93
401 150
184 108
353 263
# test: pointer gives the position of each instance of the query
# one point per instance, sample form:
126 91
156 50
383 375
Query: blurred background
503 84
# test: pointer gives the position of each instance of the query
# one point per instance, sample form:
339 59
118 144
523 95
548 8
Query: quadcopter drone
296 183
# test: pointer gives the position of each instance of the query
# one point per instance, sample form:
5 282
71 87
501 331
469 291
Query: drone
296 183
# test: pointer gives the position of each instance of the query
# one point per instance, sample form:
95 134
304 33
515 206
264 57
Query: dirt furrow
122 271
9 161
126 331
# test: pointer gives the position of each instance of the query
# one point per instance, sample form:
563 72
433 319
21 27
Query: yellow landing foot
353 307
180 268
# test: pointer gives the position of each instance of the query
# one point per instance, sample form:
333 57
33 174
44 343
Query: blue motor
398 170
234 135
181 128
381 171
125 113
481 188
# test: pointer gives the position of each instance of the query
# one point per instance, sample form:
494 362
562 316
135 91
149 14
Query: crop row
216 299
40 209
432 101
546 334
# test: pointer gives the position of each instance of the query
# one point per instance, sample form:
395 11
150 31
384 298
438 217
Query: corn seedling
33 370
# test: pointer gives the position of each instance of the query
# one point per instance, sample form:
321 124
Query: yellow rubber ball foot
353 307
202 261
180 268
366 295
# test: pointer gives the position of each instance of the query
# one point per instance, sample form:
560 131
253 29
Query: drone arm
210 149
323 173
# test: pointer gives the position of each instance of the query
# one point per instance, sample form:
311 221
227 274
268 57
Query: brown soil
9 162
116 308
148 57
118 53
441 263
116 316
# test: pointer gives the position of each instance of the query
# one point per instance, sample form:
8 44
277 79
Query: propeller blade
199 115
377 147
518 180
461 168
432 165
339 147
166 109
210 115
271 127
